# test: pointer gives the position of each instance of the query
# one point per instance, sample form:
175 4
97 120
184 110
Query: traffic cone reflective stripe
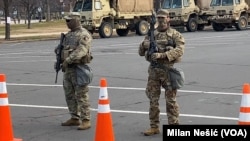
103 94
3 92
4 99
103 106
104 127
6 132
244 118
3 89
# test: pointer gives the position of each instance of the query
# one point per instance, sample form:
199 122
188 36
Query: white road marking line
126 88
130 112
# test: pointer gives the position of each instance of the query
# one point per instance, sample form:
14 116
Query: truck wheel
201 27
242 23
181 29
122 32
105 30
191 25
142 28
218 27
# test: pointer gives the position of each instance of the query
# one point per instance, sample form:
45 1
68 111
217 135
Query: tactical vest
165 42
71 43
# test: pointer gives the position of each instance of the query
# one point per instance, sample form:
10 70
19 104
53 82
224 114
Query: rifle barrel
56 77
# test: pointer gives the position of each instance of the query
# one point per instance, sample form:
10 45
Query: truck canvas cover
137 6
203 4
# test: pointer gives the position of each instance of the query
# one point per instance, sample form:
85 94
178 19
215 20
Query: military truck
190 14
123 16
230 13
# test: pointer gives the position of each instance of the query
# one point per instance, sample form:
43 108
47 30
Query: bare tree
71 4
45 7
157 4
28 9
1 10
1 5
31 7
48 10
7 4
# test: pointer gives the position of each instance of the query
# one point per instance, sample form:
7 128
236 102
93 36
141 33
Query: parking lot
216 65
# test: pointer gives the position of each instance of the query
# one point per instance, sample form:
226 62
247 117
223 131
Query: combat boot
84 125
71 122
151 131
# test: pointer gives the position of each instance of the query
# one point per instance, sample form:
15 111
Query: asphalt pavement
216 65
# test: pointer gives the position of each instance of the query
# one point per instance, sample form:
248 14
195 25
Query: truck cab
92 12
186 13
230 13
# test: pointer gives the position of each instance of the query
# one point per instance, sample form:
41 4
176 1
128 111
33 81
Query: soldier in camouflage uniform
76 51
171 48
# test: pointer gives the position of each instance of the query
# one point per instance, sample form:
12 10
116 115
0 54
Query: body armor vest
70 44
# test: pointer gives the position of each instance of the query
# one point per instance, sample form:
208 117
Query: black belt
160 66
74 65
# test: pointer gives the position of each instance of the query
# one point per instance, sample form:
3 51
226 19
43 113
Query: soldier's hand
155 56
145 44
169 48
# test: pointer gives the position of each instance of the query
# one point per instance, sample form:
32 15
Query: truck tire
242 23
218 27
122 32
142 28
191 25
105 30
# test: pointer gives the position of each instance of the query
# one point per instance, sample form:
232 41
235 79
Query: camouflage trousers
158 78
77 97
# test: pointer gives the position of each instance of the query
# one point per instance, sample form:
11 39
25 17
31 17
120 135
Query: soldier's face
163 22
72 23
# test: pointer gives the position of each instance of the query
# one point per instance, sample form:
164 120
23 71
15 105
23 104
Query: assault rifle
153 47
58 55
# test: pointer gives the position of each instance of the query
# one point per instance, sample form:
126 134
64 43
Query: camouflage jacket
171 42
77 46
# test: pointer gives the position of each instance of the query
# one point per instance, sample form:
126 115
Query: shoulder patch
86 38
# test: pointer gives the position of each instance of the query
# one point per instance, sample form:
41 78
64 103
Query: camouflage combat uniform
171 46
76 51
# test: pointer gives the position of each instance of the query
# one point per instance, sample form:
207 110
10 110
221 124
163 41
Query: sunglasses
67 20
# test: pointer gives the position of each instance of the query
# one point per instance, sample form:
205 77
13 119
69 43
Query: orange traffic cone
6 132
244 118
104 127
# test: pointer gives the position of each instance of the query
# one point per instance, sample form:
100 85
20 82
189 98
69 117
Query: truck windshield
167 4
222 2
85 5
78 6
227 2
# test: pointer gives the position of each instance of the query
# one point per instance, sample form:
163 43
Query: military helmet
73 20
72 15
162 13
